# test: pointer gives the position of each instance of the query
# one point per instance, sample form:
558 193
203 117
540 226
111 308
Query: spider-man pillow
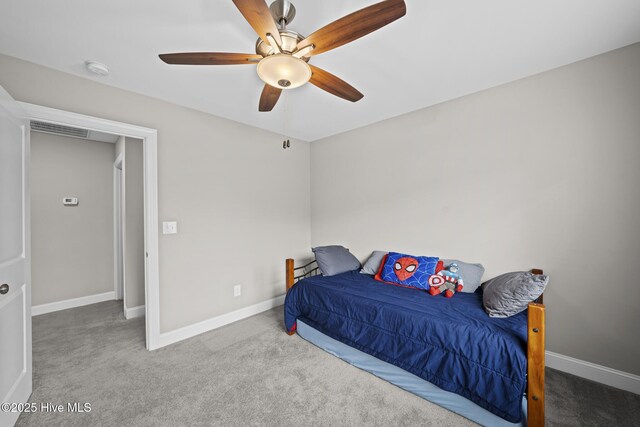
408 270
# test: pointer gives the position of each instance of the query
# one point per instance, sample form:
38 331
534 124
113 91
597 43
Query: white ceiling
440 50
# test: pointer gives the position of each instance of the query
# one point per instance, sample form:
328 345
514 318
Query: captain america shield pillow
408 270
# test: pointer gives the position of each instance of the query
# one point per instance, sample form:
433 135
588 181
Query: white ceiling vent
59 129
73 132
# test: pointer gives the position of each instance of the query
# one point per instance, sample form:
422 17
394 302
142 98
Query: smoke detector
97 68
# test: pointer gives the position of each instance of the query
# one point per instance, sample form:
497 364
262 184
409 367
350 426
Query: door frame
118 230
149 137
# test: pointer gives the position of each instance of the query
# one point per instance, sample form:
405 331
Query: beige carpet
247 373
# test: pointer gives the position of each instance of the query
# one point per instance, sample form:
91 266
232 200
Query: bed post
535 363
289 279
289 274
538 271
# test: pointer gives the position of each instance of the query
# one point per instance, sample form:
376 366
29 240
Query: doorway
71 217
150 204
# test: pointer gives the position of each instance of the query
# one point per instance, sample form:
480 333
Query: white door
15 286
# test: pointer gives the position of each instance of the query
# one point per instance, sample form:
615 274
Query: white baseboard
37 310
171 337
591 371
130 313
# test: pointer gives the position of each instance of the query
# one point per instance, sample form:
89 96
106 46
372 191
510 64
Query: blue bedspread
450 342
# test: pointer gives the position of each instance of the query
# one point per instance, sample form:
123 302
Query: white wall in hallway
72 246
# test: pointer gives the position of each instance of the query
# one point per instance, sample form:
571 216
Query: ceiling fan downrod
283 12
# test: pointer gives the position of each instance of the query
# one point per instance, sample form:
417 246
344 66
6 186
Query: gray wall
72 247
241 201
542 172
133 206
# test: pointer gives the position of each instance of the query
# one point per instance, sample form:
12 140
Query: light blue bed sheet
406 380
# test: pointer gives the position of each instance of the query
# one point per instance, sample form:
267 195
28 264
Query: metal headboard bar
312 272
306 265
307 274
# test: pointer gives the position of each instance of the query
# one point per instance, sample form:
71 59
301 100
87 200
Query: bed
448 351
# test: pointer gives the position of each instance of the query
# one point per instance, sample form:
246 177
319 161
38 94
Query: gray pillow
511 293
471 274
334 260
373 263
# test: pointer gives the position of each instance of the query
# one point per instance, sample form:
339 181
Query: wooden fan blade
269 98
257 13
334 85
354 26
209 58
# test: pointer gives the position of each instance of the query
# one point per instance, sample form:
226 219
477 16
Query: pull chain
285 116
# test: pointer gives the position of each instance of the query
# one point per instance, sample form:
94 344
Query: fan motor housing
290 40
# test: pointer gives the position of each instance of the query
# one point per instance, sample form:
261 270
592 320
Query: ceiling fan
282 55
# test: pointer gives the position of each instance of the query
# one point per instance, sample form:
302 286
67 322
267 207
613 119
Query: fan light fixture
284 71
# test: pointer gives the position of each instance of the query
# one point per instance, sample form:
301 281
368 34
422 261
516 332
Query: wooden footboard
535 361
293 274
535 342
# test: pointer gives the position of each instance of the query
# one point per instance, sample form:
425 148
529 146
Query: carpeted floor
247 373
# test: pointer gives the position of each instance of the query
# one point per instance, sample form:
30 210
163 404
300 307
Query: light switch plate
169 227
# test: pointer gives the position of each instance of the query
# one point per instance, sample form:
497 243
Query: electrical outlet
237 290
